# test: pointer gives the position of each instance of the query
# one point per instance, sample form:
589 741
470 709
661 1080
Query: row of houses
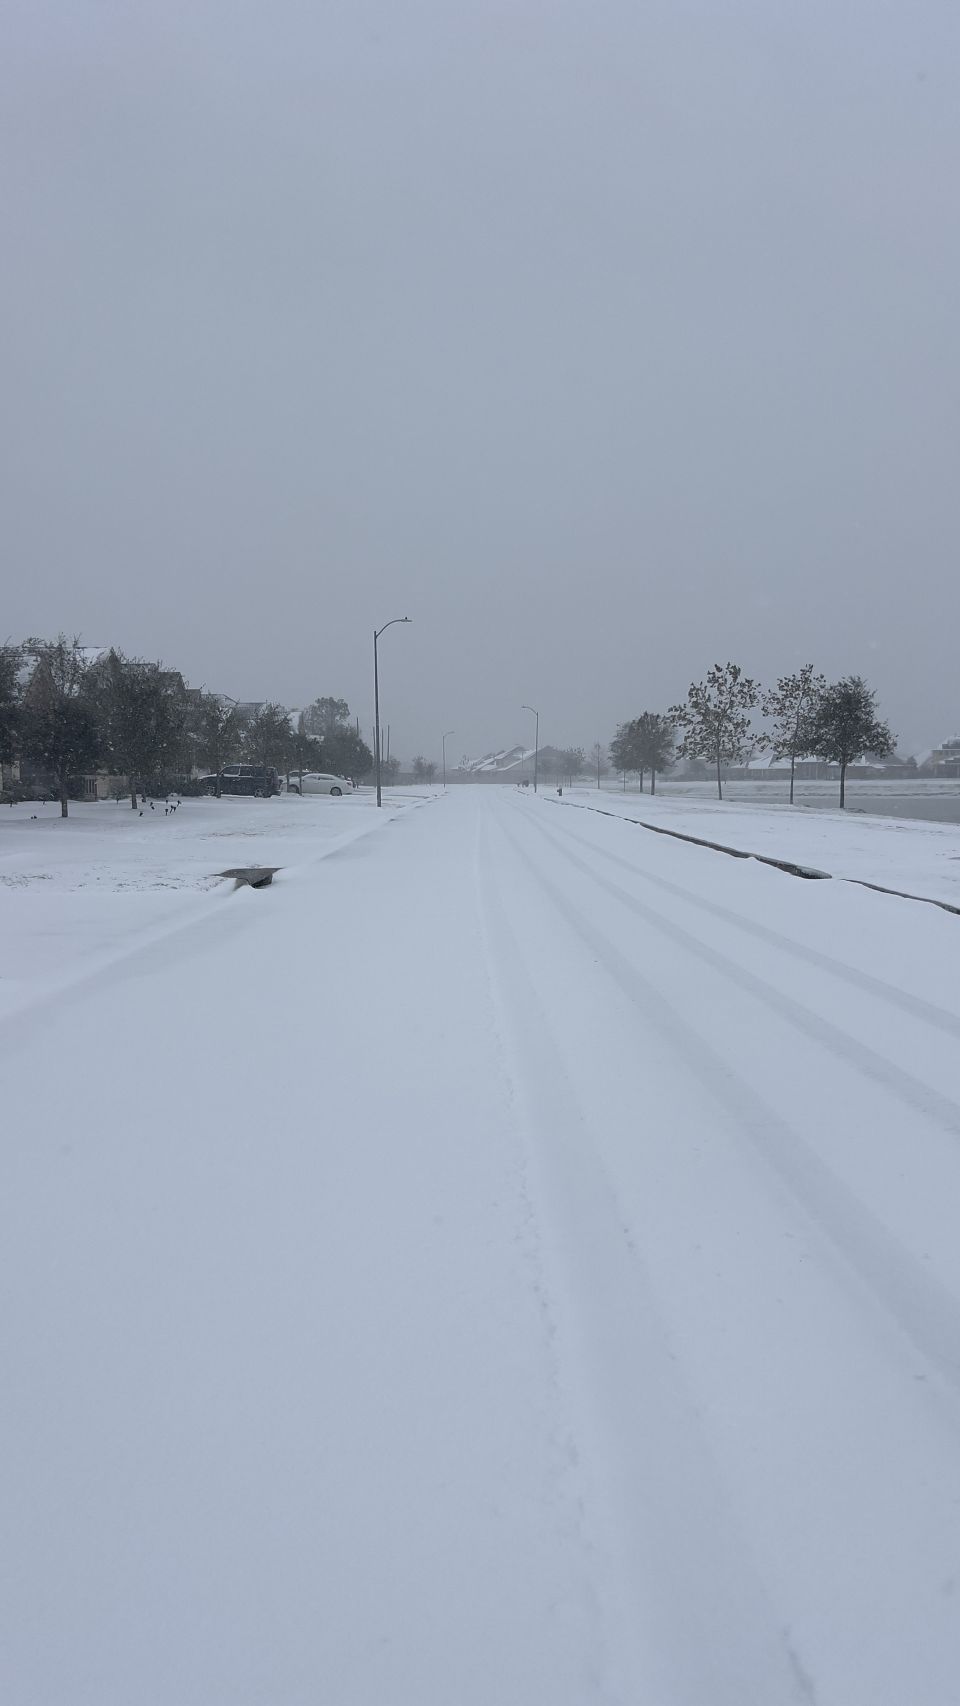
942 761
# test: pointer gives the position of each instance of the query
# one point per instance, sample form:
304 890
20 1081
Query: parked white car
318 782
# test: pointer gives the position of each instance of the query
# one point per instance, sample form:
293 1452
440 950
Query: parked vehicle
319 782
255 779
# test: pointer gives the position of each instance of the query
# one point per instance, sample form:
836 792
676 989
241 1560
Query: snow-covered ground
899 853
511 1259
74 893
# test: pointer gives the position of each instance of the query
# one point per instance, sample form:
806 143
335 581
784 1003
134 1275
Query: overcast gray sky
606 338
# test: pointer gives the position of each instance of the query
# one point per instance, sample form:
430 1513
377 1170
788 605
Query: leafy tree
715 717
346 753
645 743
326 718
793 706
140 716
268 738
305 751
58 728
10 660
846 726
656 740
389 770
424 770
566 762
219 727
622 754
574 763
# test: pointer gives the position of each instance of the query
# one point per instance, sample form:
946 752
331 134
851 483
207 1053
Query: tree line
809 718
68 714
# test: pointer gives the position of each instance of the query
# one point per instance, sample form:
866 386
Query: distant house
495 763
942 760
509 764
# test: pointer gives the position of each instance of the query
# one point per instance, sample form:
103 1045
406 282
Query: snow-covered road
510 1262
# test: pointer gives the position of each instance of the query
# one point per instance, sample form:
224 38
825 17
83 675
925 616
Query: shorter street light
536 747
443 742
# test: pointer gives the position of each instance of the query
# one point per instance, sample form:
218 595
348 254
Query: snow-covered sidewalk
897 853
511 1259
77 893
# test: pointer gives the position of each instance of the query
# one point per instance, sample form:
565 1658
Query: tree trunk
653 780
843 787
719 783
133 794
793 760
642 775
63 796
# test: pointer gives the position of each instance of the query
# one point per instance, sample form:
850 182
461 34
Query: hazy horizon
604 343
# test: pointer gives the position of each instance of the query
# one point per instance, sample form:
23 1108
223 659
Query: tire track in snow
919 1097
689 1618
925 1311
913 1005
567 1474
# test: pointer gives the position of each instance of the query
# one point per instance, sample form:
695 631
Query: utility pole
536 747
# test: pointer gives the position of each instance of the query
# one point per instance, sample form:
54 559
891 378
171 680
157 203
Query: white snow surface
908 854
510 1260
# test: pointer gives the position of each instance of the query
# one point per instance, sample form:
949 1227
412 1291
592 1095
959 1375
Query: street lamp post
376 697
536 745
443 742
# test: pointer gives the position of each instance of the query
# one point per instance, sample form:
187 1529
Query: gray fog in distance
607 341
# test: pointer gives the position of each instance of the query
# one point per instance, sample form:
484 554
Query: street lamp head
378 631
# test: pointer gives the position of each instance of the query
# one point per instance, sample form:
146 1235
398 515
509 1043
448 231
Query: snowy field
915 857
511 1261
